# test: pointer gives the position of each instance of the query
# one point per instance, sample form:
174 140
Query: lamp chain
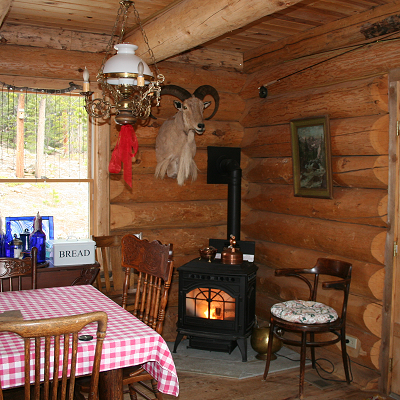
130 102
123 10
146 40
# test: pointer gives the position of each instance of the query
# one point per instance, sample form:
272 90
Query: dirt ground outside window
67 202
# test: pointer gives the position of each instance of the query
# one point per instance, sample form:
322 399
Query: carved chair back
153 263
62 335
12 270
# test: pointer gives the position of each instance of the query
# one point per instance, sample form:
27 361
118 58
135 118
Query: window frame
92 144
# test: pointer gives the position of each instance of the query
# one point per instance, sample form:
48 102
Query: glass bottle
8 242
2 240
25 240
38 239
17 247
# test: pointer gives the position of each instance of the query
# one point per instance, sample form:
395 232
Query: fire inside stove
210 303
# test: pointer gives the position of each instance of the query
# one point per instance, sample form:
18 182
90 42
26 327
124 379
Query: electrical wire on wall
263 90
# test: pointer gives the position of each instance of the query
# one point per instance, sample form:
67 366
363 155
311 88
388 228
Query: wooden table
128 341
50 276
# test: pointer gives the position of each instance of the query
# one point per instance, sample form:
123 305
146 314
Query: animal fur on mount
175 144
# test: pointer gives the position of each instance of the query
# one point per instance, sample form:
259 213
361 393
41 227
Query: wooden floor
279 386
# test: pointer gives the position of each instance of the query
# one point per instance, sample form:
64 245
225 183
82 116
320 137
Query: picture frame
311 155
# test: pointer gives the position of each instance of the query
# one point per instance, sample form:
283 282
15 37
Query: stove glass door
210 303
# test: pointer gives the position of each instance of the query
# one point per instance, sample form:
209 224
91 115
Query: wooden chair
108 254
12 270
310 317
153 263
110 280
56 331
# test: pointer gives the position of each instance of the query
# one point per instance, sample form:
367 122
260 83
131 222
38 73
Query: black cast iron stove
217 301
216 305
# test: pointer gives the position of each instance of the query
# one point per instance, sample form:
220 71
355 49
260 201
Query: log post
40 139
19 165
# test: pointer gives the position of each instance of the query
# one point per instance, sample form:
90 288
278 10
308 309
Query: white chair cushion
304 312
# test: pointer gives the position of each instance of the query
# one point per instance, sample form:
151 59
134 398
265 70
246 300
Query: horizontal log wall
289 231
294 231
188 215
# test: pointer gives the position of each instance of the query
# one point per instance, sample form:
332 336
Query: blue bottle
8 242
38 239
2 241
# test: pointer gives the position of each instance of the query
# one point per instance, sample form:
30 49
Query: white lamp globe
125 62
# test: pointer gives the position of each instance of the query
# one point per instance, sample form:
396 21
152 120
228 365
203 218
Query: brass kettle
259 342
232 254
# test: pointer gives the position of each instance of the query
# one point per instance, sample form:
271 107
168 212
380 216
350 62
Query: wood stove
216 305
216 308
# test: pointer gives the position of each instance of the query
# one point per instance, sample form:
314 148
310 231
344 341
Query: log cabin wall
187 215
290 231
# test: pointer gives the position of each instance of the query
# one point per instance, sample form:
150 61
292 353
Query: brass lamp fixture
129 88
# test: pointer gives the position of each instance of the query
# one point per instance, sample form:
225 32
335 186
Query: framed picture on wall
311 152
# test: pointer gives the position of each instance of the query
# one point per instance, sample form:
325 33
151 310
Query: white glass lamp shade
122 69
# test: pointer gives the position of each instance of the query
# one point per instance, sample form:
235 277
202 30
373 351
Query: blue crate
19 224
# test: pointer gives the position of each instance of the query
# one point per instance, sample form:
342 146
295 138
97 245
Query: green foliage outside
55 199
65 122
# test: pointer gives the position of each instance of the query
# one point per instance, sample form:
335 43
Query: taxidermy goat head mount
175 144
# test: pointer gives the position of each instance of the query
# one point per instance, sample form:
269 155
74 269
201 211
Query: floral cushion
304 312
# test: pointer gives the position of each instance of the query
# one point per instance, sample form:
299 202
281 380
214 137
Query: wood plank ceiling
93 16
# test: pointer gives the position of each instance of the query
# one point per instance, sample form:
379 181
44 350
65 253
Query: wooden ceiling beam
190 24
4 7
336 34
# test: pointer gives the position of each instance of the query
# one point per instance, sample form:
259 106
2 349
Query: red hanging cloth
126 148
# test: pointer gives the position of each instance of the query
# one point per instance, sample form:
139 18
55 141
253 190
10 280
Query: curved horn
176 91
203 91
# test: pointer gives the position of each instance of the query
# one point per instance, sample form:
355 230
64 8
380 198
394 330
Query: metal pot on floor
259 343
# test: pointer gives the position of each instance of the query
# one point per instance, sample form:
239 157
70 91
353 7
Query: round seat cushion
304 312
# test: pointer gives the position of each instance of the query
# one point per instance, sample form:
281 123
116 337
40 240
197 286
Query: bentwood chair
153 263
309 317
12 270
62 334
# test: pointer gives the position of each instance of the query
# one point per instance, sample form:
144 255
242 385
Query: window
45 160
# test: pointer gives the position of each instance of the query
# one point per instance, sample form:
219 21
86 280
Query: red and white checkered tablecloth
128 342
